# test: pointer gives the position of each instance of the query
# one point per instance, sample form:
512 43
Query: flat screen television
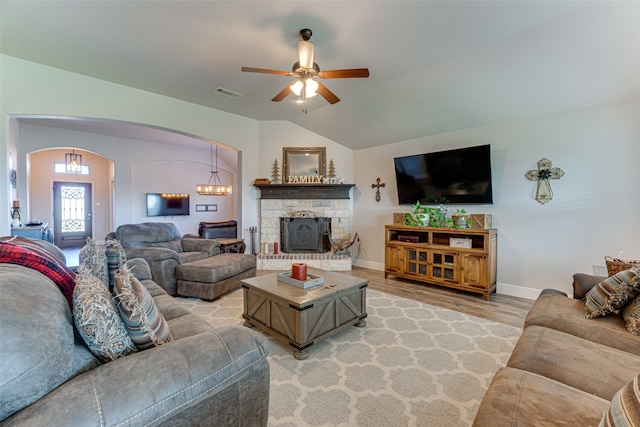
166 204
461 176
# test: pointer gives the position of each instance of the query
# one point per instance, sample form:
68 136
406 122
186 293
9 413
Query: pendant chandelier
73 162
214 186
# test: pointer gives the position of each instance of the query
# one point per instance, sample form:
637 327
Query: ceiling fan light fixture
306 88
305 53
305 71
296 87
311 87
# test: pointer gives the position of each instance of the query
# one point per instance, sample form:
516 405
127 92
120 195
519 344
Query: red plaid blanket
14 254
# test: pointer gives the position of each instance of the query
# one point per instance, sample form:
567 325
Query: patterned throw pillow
116 258
612 293
93 258
146 325
624 410
97 319
631 315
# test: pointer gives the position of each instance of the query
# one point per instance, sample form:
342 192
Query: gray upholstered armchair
162 246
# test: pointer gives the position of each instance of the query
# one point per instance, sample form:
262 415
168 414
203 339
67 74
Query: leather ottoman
212 277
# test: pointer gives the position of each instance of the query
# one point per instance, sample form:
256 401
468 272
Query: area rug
413 364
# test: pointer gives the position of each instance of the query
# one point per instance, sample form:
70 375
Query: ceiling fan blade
266 71
327 94
305 53
283 94
344 74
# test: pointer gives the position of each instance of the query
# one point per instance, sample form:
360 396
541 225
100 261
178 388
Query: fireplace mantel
305 191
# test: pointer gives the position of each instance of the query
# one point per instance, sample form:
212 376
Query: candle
275 248
299 271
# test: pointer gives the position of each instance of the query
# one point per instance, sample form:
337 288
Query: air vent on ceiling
227 92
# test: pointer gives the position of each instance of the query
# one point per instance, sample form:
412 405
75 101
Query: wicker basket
616 265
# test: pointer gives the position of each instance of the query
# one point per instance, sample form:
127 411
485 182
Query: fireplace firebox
305 235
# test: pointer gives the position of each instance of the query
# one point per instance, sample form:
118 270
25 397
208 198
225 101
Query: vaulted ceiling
435 66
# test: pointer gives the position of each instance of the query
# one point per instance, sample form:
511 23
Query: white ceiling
435 66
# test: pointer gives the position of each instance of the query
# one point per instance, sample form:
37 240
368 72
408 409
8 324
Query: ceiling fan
306 73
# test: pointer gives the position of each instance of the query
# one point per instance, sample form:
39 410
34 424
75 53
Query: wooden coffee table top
334 283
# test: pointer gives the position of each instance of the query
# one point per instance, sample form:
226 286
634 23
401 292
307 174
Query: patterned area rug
413 364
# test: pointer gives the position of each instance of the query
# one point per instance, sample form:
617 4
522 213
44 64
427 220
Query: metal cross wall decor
377 186
544 173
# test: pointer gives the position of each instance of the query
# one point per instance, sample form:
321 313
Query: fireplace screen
305 235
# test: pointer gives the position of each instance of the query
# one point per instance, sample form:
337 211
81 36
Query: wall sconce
15 214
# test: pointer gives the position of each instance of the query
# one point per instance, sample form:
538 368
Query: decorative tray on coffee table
312 280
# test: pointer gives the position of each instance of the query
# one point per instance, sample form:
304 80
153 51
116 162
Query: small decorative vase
459 221
422 219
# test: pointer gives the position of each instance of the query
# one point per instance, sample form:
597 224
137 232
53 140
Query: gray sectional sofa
565 369
48 376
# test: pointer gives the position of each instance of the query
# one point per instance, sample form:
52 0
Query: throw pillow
612 293
97 319
624 409
93 258
631 314
146 325
116 258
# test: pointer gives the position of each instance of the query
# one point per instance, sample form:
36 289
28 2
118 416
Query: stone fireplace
315 201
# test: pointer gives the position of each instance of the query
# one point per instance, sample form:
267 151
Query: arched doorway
75 206
145 159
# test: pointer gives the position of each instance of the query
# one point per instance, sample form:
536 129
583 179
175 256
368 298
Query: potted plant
426 216
460 218
418 217
438 216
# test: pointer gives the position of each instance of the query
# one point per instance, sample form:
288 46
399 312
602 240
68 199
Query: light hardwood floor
500 308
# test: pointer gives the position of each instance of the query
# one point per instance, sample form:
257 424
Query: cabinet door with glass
417 262
444 265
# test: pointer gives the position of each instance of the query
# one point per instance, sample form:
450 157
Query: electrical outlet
599 270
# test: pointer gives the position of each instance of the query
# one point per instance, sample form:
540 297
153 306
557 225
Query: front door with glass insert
71 213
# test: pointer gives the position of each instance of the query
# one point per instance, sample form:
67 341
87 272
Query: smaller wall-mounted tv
167 204
461 176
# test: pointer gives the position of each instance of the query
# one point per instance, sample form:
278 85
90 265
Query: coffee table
302 317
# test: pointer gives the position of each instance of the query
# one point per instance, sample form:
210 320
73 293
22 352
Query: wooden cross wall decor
544 173
377 186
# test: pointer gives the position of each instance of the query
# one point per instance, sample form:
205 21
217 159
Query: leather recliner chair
164 248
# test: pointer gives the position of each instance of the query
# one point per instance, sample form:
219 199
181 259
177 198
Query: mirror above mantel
303 162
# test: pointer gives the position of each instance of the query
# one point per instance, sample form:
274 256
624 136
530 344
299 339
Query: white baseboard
517 291
369 264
